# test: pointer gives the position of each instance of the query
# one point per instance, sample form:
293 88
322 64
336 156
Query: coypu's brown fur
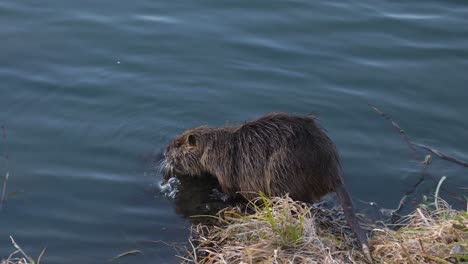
278 153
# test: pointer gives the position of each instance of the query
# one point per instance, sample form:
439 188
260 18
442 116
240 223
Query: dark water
89 87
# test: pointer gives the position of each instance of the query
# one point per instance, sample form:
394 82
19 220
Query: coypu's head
183 154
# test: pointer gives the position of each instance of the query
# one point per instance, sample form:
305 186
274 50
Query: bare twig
5 143
412 144
402 203
397 127
440 154
395 213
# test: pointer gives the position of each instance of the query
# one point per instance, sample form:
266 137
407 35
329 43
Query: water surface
92 91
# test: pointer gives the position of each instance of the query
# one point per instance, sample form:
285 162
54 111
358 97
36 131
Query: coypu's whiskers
164 168
161 165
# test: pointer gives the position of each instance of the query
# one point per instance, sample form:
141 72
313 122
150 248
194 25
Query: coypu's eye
192 140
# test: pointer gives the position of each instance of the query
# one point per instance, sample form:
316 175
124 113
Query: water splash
170 187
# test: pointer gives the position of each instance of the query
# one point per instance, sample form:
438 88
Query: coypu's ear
192 140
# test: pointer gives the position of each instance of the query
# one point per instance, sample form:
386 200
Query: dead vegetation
20 257
277 230
438 235
280 230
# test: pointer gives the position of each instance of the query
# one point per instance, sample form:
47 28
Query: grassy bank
438 235
280 230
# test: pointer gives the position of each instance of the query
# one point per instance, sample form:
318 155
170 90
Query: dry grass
14 260
20 257
280 230
430 236
277 230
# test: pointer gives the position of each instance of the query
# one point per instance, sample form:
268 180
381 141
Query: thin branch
412 144
397 127
402 203
440 154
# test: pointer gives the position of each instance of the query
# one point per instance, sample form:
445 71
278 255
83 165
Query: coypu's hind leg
351 218
281 176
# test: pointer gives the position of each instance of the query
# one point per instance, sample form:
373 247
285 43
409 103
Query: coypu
278 153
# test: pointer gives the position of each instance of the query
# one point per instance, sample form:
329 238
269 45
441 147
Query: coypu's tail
351 218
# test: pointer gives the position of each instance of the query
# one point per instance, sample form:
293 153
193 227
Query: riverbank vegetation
280 230
274 230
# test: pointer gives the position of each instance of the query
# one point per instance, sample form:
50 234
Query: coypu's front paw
218 195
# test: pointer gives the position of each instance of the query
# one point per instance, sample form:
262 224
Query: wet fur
278 153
